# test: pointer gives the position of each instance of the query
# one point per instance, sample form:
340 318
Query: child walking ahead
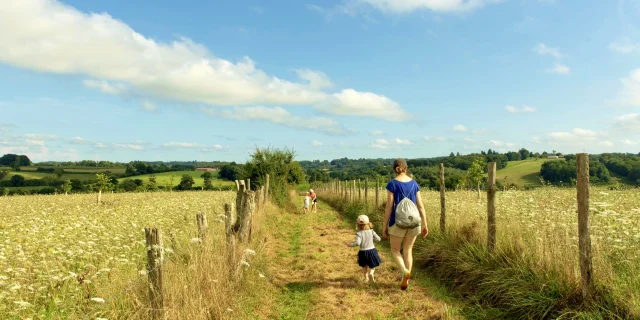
368 257
306 203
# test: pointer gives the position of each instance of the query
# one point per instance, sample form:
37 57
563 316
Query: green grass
164 178
32 175
522 173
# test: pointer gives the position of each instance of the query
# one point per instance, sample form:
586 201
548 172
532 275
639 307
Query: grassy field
522 173
164 178
31 175
64 257
92 170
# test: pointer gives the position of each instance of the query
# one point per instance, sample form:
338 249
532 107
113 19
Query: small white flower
229 310
261 275
23 304
98 300
249 252
245 263
195 240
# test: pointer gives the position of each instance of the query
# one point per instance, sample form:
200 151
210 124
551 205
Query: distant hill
522 173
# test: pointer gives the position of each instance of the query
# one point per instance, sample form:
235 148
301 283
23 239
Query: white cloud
543 49
525 109
130 146
628 122
380 144
625 46
560 69
281 116
629 142
579 138
606 143
403 142
437 139
460 128
444 6
497 143
376 133
106 87
316 143
80 141
630 93
49 36
36 136
183 145
364 104
316 79
469 140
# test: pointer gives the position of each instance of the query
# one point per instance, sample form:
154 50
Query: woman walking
403 234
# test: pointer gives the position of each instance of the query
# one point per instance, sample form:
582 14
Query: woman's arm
387 214
423 216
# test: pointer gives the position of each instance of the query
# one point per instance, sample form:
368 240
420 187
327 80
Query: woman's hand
425 231
385 233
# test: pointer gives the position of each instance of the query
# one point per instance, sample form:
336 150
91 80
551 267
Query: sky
212 80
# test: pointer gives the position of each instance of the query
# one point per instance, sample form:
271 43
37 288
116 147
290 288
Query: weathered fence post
266 188
353 191
153 238
201 221
491 208
377 192
359 190
231 235
344 188
366 191
443 207
245 216
237 185
248 184
259 198
584 238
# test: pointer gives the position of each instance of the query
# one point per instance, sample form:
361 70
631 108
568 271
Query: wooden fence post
237 185
153 238
366 191
443 207
248 184
584 238
266 188
377 192
359 190
245 216
353 191
344 188
491 208
231 235
201 221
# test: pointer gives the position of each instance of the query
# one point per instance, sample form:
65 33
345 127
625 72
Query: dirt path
320 279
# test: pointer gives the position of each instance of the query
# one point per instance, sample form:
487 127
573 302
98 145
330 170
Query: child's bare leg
371 271
365 271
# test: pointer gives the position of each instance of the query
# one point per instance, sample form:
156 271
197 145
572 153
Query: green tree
3 173
66 187
524 154
4 191
103 183
186 182
475 173
207 176
230 172
16 164
17 180
58 172
152 185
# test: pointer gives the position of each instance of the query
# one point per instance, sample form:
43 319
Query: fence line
584 239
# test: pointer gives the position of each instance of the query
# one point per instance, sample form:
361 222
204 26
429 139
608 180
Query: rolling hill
522 173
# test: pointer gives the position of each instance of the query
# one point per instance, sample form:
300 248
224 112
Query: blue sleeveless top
399 190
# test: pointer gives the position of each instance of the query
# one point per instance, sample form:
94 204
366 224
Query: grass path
318 276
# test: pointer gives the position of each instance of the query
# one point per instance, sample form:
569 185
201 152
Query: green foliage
186 183
3 173
67 186
58 172
17 181
564 172
282 169
476 170
207 176
103 182
14 160
231 172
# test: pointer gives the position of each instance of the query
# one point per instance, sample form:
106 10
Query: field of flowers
63 256
543 223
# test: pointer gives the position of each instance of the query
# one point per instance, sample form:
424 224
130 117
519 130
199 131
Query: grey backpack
407 214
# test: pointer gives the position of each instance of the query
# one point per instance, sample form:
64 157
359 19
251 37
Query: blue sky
196 80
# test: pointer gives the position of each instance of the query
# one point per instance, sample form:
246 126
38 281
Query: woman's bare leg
396 244
407 250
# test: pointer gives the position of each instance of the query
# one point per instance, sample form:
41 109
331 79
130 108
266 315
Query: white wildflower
23 304
249 252
196 240
245 263
261 275
98 300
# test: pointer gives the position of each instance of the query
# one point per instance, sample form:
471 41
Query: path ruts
320 279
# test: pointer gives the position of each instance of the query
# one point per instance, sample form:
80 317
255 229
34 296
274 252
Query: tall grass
531 275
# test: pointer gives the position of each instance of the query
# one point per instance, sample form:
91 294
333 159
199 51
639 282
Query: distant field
30 175
77 169
522 173
164 178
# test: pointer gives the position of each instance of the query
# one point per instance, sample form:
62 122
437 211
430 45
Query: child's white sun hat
363 219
